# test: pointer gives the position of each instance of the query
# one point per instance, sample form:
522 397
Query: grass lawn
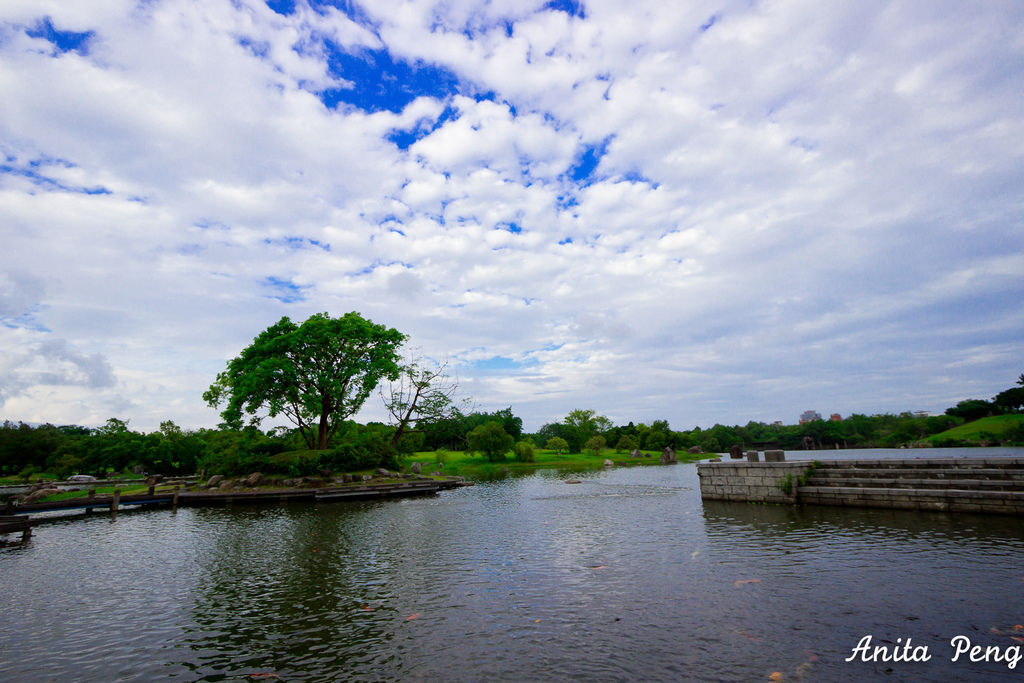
985 429
456 463
100 492
15 480
472 465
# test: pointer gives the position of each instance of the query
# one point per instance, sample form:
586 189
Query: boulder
226 485
608 463
215 481
367 477
715 460
325 473
667 455
695 449
435 474
752 456
635 454
39 493
253 479
382 472
736 451
414 468
346 478
775 456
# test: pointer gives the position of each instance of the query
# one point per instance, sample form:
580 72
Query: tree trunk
321 439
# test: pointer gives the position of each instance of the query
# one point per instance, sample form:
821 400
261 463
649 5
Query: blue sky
712 212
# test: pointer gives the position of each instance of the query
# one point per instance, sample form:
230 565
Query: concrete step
925 463
1000 484
951 500
944 473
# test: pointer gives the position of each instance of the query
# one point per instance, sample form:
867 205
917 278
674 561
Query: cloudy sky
694 211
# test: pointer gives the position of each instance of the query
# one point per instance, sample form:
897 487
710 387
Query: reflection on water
624 576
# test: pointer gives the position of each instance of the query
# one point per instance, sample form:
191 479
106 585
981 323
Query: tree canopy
316 374
491 439
423 393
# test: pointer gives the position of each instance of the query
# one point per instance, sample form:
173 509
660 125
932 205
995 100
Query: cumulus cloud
708 213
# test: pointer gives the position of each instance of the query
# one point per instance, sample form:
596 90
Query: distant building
777 423
809 416
922 413
835 417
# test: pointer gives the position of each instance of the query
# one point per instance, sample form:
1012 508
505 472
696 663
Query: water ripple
625 576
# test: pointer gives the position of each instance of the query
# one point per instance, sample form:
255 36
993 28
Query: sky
700 212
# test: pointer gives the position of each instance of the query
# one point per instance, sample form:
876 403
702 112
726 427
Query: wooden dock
10 524
349 492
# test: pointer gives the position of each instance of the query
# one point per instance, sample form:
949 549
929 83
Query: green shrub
291 463
557 444
26 473
595 445
626 444
524 452
360 453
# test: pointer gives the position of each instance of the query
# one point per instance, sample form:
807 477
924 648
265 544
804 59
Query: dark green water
625 576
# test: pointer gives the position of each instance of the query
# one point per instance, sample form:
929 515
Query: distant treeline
72 449
66 450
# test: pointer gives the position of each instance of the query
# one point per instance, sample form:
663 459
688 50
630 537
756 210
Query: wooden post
151 487
92 493
174 503
27 533
115 501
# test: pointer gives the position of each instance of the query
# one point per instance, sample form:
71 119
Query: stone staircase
985 485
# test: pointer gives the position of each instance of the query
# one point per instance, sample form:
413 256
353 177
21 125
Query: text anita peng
907 652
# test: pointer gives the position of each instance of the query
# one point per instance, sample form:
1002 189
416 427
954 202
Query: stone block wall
980 485
750 481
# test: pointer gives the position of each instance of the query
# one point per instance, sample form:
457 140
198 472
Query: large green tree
316 374
583 424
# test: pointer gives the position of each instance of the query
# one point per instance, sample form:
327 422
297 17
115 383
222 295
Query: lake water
626 576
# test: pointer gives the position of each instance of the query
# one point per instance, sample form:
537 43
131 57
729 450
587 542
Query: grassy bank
475 466
447 463
988 430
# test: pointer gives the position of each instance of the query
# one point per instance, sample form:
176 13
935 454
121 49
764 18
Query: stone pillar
775 456
752 456
736 451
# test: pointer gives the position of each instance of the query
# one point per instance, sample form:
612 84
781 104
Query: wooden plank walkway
229 497
10 524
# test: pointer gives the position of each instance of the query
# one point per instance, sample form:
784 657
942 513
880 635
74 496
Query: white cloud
796 208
